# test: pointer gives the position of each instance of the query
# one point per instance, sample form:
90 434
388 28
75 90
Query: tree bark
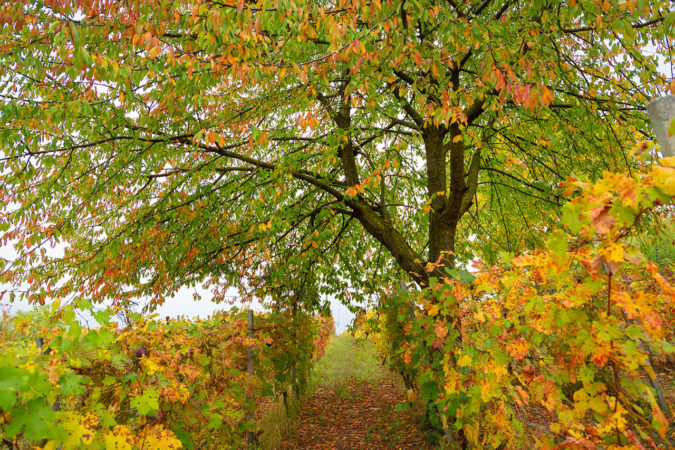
440 241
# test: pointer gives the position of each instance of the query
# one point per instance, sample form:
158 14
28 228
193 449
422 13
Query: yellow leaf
452 381
615 421
302 75
441 330
601 353
664 178
81 429
150 365
120 438
464 361
518 349
485 390
613 252
154 51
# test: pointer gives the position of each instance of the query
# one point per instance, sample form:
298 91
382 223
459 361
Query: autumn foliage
569 334
326 326
151 385
337 147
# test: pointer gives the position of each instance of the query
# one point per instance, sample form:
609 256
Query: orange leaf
602 221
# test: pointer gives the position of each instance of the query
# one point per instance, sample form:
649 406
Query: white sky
183 304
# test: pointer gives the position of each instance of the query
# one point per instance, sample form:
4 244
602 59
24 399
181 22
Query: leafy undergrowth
353 404
179 384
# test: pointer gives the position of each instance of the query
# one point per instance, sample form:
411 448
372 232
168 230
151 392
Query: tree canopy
331 143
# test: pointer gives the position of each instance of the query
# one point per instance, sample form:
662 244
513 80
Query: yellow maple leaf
120 438
150 365
81 429
616 421
664 179
452 381
464 360
157 436
601 354
485 390
613 252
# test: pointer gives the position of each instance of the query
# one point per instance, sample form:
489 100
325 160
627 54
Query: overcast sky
183 304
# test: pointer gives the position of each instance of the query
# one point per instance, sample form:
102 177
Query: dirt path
353 405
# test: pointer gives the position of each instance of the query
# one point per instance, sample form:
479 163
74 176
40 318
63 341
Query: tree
171 143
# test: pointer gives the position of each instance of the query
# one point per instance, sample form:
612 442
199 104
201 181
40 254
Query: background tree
170 143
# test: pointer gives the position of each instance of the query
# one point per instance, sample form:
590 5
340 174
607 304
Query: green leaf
586 374
184 437
570 218
403 406
72 384
506 256
466 277
215 421
36 420
429 391
75 330
147 403
119 361
102 317
557 242
7 397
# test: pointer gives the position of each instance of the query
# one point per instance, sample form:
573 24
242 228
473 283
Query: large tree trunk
441 241
447 205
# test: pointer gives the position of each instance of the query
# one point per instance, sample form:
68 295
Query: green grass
276 422
345 360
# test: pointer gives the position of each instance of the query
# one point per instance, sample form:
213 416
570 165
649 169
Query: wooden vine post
250 437
294 383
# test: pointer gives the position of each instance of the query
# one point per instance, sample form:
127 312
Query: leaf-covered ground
353 405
